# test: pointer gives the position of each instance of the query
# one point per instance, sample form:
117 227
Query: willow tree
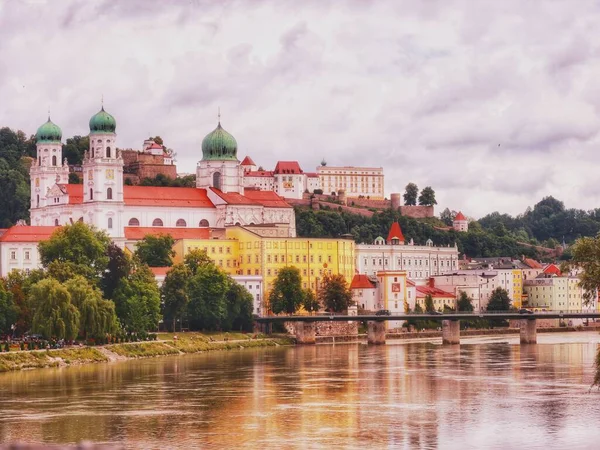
55 316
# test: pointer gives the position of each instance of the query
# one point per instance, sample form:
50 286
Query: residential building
355 181
19 248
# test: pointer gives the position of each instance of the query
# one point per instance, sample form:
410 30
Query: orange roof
268 199
553 269
460 216
74 191
259 173
287 167
532 263
361 282
155 145
26 233
160 271
395 233
312 175
422 291
138 233
234 198
247 162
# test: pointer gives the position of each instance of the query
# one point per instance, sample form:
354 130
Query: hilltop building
355 181
149 162
460 223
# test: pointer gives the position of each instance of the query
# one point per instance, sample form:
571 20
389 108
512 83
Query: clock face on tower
110 174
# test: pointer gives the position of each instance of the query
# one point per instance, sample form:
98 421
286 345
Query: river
489 392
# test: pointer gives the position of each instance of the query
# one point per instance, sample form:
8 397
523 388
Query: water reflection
485 393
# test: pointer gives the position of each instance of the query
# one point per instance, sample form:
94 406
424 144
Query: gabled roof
247 162
553 269
312 174
234 198
268 199
460 216
26 233
395 233
410 282
288 167
422 291
138 233
361 282
532 263
259 173
155 146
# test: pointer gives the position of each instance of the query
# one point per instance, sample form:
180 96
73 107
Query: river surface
489 392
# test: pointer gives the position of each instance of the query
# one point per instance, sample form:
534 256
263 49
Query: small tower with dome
460 223
220 167
48 168
103 176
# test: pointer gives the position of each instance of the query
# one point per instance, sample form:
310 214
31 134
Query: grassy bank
167 345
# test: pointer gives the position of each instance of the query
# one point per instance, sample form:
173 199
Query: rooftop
361 282
26 233
138 233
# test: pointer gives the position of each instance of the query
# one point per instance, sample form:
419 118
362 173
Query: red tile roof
268 199
155 145
553 269
259 173
74 191
312 174
422 291
460 216
160 271
26 233
361 282
233 198
247 162
288 167
532 263
395 233
138 233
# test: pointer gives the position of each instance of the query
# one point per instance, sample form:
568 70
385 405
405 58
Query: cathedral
219 199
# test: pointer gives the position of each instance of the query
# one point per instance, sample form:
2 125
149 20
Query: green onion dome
219 145
49 132
102 122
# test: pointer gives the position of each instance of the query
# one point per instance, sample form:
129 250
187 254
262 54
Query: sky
492 103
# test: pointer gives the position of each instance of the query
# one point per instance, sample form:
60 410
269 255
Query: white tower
103 177
47 169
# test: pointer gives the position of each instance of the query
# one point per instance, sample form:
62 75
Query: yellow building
244 252
517 294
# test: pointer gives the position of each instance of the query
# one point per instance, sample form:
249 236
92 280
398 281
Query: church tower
219 167
48 167
103 177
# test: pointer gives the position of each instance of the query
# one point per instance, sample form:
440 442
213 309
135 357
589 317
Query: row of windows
26 255
134 222
404 262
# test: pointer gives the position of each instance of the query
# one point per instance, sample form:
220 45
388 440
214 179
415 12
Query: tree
585 255
137 299
156 251
74 149
429 304
465 302
75 179
287 294
14 201
195 259
410 194
55 316
427 197
97 316
499 300
334 293
207 306
8 310
239 306
118 267
447 216
19 284
310 302
174 293
79 246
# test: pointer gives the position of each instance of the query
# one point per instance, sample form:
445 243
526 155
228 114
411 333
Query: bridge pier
450 332
528 331
305 333
376 332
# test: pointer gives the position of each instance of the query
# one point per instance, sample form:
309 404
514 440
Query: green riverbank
167 345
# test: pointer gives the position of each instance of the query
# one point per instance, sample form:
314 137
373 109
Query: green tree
75 179
429 304
310 302
239 307
585 255
55 316
118 267
207 306
195 259
499 301
334 293
97 315
410 194
174 293
8 310
287 293
156 251
427 197
19 284
74 149
465 303
447 216
79 246
14 201
137 299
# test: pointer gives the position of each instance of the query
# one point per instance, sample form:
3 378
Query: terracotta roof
155 145
268 199
422 291
395 233
138 233
74 191
361 282
259 173
233 198
460 216
532 263
160 271
26 233
553 269
288 167
312 174
247 162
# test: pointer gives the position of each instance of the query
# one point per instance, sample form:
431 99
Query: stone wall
328 328
417 212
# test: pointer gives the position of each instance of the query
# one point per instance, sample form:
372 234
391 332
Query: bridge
306 330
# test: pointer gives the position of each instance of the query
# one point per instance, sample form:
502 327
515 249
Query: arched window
217 180
109 194
91 194
54 160
110 223
180 223
92 152
133 222
40 160
38 200
204 223
157 223
55 222
108 152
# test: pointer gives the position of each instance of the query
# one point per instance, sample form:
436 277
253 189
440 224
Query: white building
287 179
19 248
356 181
418 261
254 285
460 223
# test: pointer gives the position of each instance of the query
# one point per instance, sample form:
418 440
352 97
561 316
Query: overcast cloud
492 103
